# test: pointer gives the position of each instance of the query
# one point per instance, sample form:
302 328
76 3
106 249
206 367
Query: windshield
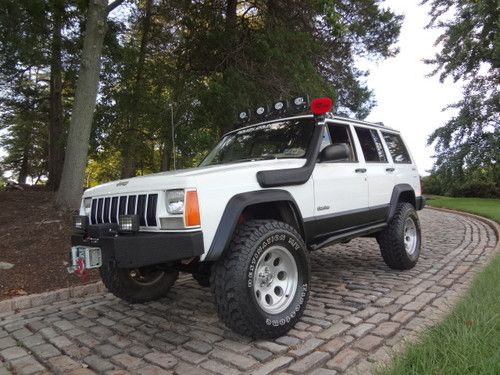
276 140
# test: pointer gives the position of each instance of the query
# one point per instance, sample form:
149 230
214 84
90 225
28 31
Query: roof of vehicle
330 117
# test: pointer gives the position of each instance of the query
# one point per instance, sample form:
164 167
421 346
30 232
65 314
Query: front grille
109 209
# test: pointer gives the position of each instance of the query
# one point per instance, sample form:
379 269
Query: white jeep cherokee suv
244 221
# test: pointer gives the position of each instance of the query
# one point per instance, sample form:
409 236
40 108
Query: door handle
390 169
360 170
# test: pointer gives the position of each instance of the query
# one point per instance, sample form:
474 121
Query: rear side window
397 148
371 145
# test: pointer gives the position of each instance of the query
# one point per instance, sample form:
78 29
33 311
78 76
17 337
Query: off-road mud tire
392 242
233 277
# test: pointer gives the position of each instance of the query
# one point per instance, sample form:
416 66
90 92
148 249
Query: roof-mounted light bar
296 105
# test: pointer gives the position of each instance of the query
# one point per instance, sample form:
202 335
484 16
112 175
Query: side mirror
335 152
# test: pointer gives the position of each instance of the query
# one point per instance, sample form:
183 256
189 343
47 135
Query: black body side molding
233 211
294 176
359 232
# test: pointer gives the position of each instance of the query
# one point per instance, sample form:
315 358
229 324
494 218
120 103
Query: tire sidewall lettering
288 317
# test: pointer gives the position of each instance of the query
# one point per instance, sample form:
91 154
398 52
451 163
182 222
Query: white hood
190 178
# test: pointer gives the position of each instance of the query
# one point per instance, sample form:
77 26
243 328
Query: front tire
138 285
400 241
261 284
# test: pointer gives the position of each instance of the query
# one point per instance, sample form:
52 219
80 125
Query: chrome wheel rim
410 236
275 280
145 277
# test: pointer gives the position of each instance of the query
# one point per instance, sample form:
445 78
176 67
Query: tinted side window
342 134
371 145
397 148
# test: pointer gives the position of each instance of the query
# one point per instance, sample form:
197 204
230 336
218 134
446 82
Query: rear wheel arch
272 204
401 193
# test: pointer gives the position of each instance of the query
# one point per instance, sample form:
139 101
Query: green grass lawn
468 340
489 208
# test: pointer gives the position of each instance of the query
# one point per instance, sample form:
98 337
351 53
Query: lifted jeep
243 222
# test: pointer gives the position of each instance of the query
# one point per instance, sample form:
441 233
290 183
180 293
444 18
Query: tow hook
79 270
83 258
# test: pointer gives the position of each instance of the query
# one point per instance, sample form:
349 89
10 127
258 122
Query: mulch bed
35 237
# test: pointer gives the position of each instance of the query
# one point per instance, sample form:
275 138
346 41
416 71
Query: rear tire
138 285
400 241
261 284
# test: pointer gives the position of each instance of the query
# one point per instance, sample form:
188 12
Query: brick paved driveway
358 313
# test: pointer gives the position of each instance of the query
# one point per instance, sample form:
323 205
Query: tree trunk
231 8
165 158
230 31
71 186
129 150
56 131
24 170
273 10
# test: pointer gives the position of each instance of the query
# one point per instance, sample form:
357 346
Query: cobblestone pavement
359 312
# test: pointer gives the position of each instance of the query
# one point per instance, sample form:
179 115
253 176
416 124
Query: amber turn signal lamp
192 211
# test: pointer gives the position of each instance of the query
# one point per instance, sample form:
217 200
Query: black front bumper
143 249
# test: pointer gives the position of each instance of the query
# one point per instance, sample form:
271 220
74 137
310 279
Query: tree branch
113 5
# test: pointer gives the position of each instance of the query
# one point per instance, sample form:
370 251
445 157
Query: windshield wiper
267 157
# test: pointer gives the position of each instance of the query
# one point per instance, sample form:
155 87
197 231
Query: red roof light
320 106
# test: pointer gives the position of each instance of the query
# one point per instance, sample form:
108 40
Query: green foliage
105 166
24 117
470 53
206 59
482 183
25 59
209 64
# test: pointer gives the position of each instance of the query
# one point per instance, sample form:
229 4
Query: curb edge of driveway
14 305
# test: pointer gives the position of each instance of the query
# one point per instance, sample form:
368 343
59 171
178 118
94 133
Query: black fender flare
396 194
233 211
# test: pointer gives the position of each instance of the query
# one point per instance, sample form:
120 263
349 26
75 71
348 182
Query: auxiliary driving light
262 111
244 116
80 223
300 103
279 107
128 223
